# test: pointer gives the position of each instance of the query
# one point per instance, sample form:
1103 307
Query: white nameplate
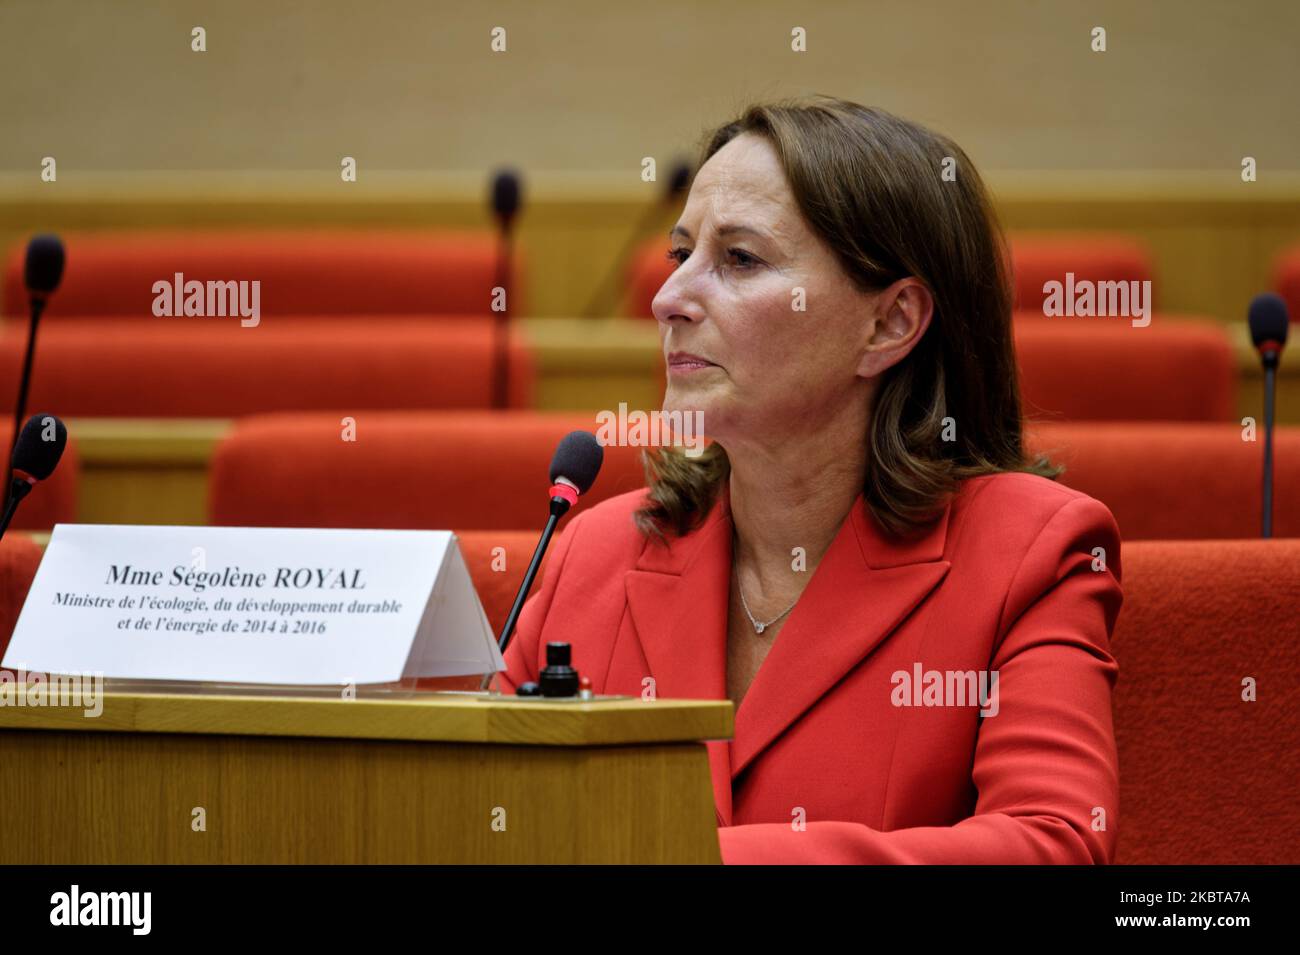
252 605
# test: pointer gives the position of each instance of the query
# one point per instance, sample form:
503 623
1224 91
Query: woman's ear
902 314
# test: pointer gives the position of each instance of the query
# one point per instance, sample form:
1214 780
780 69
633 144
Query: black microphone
602 301
506 195
42 273
573 470
506 200
44 266
1268 327
36 454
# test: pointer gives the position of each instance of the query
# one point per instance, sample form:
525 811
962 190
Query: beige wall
595 85
1146 138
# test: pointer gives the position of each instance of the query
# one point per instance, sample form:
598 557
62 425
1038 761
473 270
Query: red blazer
825 766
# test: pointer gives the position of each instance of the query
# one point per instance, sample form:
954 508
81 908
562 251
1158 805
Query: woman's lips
682 362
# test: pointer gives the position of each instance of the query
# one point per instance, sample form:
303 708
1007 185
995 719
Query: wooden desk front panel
129 798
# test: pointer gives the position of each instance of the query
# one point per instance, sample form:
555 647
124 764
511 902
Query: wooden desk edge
436 718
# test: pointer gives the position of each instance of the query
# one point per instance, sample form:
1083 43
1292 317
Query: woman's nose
675 302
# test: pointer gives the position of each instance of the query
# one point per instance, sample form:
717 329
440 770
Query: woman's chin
707 416
685 402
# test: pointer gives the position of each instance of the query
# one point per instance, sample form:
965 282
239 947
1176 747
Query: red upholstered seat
1177 481
469 470
479 470
497 561
19 558
1207 778
1104 369
189 367
1035 260
302 272
54 500
1286 280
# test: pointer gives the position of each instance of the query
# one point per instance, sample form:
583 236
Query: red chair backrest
302 272
497 561
1037 259
1207 778
478 470
19 558
172 368
1286 280
1104 369
468 470
1177 481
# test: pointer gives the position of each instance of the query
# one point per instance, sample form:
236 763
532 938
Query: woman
911 616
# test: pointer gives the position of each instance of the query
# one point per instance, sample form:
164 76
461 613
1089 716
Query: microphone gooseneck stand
24 383
18 489
559 507
1270 383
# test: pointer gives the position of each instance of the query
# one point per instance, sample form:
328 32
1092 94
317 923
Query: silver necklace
759 627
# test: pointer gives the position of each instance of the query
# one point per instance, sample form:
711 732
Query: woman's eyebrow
727 228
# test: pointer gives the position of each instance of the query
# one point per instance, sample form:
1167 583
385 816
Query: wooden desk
428 778
145 470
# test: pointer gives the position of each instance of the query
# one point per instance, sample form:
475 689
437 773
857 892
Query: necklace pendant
760 627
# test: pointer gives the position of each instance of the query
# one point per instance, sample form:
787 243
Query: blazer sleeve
521 655
1045 768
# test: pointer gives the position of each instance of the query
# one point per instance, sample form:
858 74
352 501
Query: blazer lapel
864 587
678 597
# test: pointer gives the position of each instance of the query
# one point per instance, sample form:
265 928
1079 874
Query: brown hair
869 183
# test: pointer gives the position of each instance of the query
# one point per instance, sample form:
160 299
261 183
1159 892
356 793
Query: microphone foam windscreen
1268 319
578 459
40 445
44 264
505 194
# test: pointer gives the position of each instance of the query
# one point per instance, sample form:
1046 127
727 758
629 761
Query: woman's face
785 338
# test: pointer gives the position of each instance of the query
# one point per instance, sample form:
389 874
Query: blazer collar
866 584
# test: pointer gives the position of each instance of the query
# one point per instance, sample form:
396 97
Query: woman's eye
743 259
